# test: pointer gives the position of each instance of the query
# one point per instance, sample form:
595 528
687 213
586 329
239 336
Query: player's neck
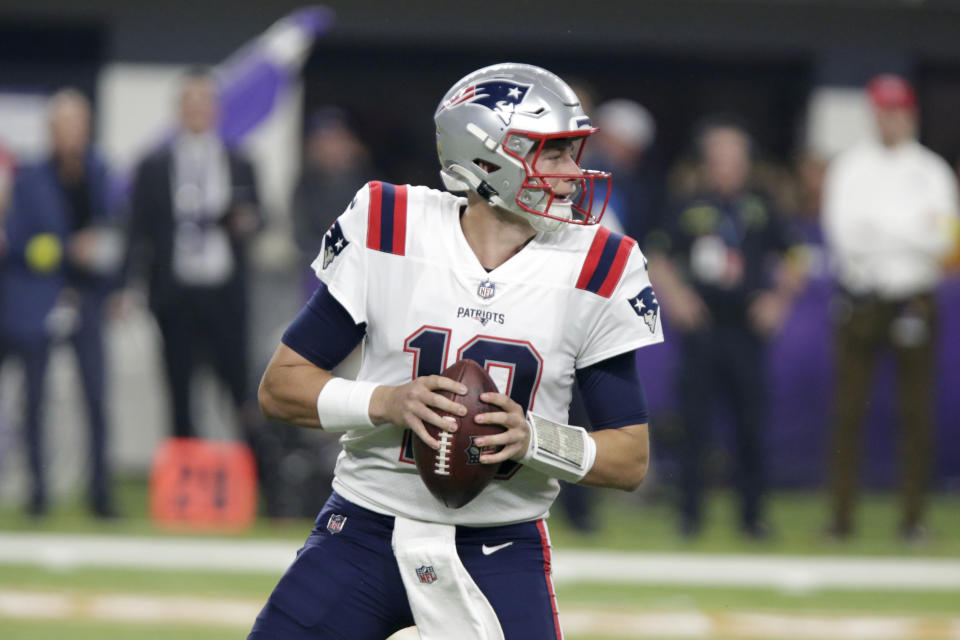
495 236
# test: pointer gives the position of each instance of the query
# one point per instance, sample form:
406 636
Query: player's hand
768 312
686 310
415 403
514 440
81 247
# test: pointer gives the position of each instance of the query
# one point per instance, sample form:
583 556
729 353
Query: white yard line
788 573
692 624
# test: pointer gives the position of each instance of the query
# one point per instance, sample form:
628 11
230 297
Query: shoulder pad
387 218
605 262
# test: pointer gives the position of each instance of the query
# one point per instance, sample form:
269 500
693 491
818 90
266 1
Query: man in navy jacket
57 270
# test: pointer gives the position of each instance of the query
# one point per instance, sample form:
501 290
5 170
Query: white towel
446 602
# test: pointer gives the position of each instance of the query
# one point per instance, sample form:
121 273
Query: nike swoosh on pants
488 550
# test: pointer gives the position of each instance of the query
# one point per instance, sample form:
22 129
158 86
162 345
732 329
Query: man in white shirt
888 209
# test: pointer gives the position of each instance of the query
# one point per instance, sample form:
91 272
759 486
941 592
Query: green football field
47 600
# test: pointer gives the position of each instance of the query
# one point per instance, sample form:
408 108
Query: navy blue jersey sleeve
612 392
323 332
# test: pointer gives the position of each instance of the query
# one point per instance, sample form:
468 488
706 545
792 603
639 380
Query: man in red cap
888 209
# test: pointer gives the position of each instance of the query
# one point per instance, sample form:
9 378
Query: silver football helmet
492 126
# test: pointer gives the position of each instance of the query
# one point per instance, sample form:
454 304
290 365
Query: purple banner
800 371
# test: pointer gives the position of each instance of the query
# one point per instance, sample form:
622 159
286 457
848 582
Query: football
454 474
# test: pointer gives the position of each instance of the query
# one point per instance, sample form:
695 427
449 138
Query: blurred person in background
723 298
194 208
624 146
336 165
888 209
61 260
6 187
7 165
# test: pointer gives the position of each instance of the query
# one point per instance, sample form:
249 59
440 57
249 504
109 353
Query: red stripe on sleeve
373 215
593 257
616 269
545 546
400 220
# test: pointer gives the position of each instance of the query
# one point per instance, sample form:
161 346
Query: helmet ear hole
486 166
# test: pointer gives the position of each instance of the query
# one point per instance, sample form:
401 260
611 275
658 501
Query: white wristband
559 450
345 404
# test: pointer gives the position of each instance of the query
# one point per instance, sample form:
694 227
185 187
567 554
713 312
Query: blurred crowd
733 242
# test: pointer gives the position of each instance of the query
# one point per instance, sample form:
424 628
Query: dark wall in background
187 30
393 96
40 56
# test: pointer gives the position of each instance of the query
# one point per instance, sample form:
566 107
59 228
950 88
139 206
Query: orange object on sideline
203 484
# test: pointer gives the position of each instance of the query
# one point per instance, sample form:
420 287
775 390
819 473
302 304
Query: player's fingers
442 383
501 400
427 415
506 453
417 427
508 437
510 420
437 401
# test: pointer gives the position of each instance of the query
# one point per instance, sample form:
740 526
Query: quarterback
513 273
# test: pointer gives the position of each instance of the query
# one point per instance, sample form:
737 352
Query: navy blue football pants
723 362
346 585
88 346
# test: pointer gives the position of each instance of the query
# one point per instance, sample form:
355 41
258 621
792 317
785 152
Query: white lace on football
559 450
442 465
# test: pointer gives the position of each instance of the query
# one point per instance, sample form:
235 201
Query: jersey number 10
521 362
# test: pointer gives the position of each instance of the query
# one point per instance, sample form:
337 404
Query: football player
518 276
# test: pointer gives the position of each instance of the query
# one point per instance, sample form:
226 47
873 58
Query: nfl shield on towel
426 574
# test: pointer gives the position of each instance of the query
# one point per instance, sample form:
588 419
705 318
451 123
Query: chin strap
457 179
559 450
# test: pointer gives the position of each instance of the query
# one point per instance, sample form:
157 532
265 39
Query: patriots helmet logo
645 305
334 242
500 96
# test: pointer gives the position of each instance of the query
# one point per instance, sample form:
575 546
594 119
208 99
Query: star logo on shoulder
334 242
645 305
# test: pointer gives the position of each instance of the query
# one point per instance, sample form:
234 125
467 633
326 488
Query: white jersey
398 261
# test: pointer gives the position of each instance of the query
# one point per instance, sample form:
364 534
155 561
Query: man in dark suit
60 261
194 207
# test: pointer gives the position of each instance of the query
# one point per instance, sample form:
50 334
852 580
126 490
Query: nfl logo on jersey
336 522
486 289
426 574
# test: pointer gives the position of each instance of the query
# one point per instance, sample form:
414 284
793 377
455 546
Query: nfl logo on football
486 289
426 574
336 522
